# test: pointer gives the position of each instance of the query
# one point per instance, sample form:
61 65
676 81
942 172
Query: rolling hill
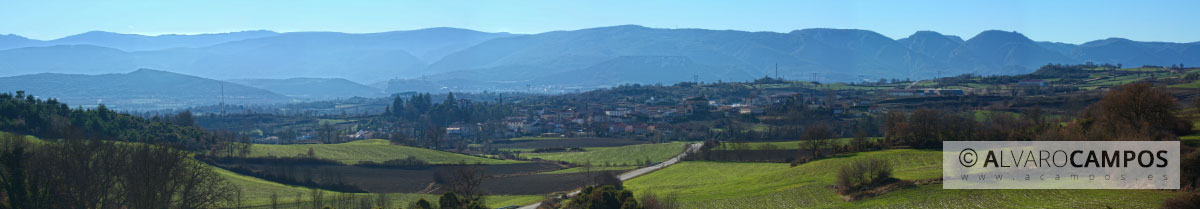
312 88
707 184
141 89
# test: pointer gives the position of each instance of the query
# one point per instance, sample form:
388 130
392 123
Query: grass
777 185
257 193
1192 85
788 144
594 168
376 150
623 155
535 138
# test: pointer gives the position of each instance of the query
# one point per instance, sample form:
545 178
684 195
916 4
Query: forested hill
50 119
140 89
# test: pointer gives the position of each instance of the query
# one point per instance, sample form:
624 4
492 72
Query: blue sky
1045 20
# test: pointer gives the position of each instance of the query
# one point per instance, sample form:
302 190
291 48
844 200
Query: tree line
50 119
102 174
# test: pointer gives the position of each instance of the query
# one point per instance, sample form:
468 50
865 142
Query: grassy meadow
594 168
257 193
777 185
788 144
623 155
377 150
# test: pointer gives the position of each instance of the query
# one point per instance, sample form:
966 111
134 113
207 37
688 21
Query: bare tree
463 179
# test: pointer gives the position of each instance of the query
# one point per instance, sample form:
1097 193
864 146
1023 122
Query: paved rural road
637 172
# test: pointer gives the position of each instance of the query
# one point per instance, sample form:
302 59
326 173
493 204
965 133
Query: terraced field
377 150
623 155
777 185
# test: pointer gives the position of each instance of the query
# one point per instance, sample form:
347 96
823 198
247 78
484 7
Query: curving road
637 172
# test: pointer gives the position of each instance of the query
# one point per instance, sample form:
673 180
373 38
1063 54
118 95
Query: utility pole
776 70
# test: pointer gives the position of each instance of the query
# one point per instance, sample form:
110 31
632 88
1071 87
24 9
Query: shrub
421 204
863 174
1188 200
651 201
407 163
608 179
605 197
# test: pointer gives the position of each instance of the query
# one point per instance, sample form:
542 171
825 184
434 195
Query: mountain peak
148 71
1000 36
926 33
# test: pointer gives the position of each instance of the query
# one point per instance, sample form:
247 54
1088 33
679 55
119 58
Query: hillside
141 89
777 185
312 88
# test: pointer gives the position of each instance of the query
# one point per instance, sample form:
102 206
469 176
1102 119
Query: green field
534 138
594 168
377 150
787 144
777 185
257 193
623 155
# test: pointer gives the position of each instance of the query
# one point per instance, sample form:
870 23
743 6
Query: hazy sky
1043 20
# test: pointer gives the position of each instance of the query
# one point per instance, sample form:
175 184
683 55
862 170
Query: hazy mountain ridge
312 88
361 57
134 42
140 89
441 57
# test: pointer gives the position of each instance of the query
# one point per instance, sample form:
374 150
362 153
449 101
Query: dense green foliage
863 174
604 197
100 174
50 119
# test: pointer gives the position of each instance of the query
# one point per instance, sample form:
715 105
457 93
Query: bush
608 179
406 163
651 201
864 174
605 197
558 149
1188 200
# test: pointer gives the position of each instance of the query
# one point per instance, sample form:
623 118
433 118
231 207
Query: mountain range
140 89
441 58
313 88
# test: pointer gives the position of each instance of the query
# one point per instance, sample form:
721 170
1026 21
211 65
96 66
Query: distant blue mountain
439 58
134 42
367 57
141 89
313 88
